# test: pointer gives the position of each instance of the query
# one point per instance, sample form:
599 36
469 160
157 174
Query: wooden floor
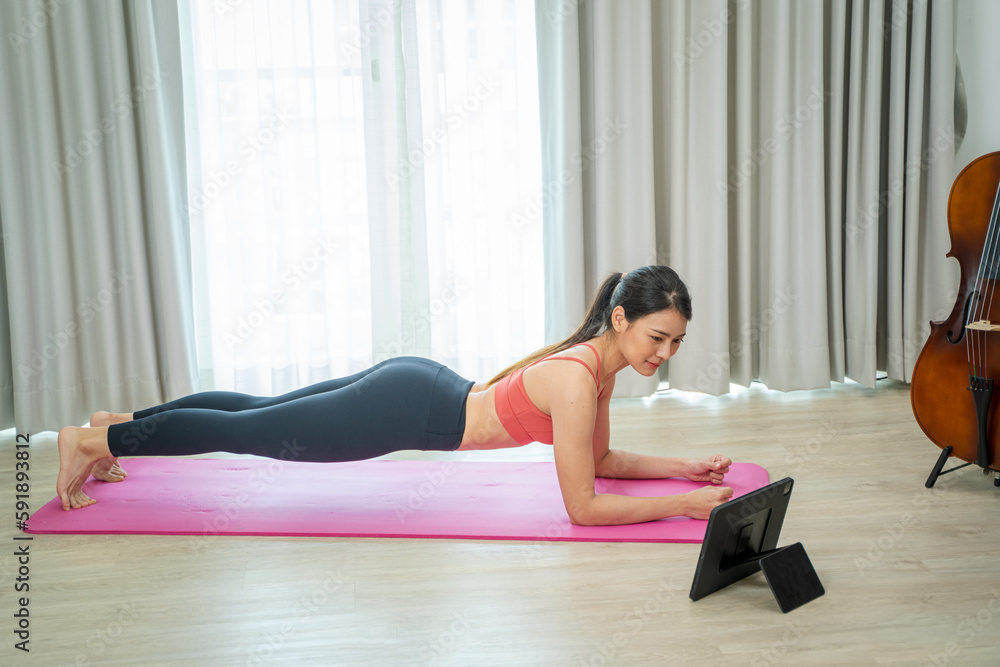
912 575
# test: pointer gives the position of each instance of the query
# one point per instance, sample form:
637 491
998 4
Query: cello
952 384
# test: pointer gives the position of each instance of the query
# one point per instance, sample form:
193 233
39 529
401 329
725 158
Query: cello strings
972 346
993 264
972 339
977 310
990 259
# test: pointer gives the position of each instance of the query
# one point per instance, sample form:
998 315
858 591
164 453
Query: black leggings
401 403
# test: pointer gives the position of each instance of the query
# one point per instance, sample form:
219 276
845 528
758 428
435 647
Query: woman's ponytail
593 326
640 292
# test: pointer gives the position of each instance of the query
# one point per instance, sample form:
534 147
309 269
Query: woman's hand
701 502
712 469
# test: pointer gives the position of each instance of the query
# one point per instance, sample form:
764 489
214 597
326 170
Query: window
357 180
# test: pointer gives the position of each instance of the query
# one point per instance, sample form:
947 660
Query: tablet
739 533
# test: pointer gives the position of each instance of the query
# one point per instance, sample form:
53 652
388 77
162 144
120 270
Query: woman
637 319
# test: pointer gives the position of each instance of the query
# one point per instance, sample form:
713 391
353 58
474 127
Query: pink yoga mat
380 498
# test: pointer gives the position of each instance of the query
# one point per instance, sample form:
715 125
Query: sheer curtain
356 176
791 160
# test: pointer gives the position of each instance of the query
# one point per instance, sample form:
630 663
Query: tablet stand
790 574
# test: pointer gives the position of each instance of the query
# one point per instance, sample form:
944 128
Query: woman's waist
483 428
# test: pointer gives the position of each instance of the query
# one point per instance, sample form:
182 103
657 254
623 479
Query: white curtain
358 177
791 160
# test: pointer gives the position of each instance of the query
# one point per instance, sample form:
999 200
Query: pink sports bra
518 415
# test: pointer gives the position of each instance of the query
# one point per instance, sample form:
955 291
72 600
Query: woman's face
649 341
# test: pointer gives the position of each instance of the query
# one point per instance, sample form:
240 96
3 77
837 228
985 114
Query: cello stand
943 458
938 467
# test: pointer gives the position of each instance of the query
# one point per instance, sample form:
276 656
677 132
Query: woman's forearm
625 465
609 509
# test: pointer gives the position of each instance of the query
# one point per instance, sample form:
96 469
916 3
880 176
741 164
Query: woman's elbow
583 513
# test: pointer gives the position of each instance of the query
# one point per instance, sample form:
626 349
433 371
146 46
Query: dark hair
640 292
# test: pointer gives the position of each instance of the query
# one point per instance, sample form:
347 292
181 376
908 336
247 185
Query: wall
978 48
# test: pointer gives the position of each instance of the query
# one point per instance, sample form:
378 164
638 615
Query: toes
117 470
108 470
76 500
81 499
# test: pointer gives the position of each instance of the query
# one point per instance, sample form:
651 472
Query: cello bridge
983 325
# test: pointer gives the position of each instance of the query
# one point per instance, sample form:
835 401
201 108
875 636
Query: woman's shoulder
586 358
586 351
588 354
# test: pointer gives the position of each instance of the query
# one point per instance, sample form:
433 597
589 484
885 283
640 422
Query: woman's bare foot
79 450
100 418
108 470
